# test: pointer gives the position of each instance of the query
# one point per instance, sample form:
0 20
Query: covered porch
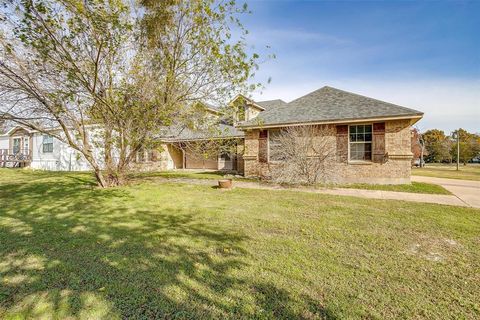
16 148
17 159
193 158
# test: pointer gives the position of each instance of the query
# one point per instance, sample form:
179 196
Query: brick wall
396 168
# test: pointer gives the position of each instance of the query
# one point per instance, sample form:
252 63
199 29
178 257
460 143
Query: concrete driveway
465 190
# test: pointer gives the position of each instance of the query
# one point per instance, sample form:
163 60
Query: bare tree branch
303 153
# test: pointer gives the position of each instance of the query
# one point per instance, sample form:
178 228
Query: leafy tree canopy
437 145
469 146
130 68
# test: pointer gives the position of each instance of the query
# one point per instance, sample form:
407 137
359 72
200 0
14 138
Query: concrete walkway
466 190
370 194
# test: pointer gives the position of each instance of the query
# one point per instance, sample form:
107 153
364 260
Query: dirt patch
436 250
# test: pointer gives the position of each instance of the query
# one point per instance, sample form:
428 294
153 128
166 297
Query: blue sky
423 55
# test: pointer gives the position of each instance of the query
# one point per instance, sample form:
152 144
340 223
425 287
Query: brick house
372 138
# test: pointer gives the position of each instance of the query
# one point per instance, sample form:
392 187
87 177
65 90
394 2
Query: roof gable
248 101
14 129
207 107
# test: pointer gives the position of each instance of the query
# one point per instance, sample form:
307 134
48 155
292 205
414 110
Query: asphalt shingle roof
179 133
270 104
329 104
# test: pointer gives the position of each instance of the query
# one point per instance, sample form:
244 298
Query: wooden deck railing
7 155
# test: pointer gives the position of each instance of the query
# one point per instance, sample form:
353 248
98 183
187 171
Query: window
47 144
360 139
274 146
263 146
26 145
241 112
16 145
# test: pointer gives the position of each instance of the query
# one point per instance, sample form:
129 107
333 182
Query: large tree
437 145
108 75
469 146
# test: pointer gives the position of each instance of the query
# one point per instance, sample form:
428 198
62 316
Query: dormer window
244 109
241 112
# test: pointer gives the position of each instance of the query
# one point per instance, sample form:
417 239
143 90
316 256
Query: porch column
183 159
250 156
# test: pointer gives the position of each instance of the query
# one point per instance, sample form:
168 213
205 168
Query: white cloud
289 36
447 103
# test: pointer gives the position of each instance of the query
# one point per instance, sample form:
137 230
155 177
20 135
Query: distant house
372 138
21 147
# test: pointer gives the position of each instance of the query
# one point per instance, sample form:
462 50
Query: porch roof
183 133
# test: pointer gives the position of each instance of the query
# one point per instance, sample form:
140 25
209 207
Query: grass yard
414 187
449 171
176 251
181 174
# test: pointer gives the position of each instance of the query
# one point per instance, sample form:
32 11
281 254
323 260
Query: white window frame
43 143
371 156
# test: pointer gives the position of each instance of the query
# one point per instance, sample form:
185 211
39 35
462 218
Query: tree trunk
113 174
108 148
100 179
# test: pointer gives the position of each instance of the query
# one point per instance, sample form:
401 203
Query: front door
16 145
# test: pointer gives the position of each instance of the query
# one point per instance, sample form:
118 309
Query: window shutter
263 146
379 142
342 143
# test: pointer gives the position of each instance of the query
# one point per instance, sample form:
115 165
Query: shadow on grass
71 250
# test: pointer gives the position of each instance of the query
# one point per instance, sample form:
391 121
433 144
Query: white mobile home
20 147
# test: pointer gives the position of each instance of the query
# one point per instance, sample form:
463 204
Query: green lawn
449 171
177 251
181 174
414 187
